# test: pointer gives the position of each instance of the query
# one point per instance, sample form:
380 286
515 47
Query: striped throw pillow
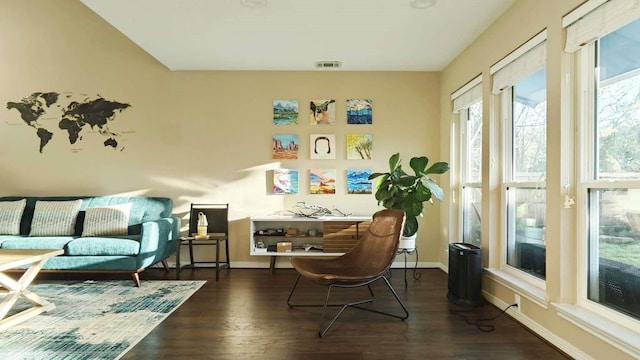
10 216
107 221
55 218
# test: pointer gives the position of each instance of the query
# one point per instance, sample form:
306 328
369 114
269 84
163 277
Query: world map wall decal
50 113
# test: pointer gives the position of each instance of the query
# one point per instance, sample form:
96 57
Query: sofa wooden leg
165 264
136 278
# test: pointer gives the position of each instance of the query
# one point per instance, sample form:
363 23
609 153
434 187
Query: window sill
532 292
621 337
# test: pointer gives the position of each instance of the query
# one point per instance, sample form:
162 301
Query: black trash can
465 275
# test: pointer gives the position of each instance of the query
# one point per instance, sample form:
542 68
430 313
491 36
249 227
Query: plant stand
416 273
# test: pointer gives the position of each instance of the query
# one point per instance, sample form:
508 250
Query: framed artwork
322 146
285 146
359 111
285 112
322 112
322 181
358 181
285 181
359 146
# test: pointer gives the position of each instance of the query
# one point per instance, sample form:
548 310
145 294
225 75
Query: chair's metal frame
323 328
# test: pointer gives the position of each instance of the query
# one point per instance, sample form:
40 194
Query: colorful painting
322 112
360 111
322 146
285 181
285 112
359 146
285 146
358 181
322 181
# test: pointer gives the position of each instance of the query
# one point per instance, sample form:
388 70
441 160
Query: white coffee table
13 290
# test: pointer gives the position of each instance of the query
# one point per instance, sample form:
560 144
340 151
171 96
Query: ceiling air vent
253 3
328 64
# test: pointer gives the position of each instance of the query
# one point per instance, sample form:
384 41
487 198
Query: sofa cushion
144 209
104 246
55 218
10 216
35 242
92 263
107 221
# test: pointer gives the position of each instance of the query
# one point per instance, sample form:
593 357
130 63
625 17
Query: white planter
408 243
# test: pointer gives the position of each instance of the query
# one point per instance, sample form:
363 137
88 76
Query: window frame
462 100
507 183
586 163
518 64
464 183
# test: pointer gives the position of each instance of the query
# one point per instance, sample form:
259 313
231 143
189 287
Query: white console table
322 236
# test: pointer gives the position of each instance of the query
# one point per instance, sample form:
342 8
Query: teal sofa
151 237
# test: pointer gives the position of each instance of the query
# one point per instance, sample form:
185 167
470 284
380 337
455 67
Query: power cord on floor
480 323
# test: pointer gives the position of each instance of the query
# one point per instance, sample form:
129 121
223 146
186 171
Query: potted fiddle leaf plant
397 189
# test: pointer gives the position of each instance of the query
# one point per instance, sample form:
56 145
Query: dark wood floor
245 316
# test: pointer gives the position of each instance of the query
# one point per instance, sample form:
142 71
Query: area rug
93 319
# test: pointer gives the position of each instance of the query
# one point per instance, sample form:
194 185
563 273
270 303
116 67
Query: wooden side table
213 239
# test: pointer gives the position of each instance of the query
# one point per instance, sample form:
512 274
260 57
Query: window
605 36
471 161
525 177
612 181
467 102
521 81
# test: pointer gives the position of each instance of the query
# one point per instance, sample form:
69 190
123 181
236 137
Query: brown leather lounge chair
368 261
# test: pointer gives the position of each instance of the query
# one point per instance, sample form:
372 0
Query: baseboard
538 329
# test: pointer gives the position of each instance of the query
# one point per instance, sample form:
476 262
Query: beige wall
206 136
522 21
196 137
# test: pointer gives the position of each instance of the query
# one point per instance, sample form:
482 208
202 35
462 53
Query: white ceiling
365 35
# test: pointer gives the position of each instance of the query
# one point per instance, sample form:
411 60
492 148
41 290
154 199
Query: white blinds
599 22
518 69
467 95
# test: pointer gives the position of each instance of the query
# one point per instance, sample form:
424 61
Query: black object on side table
217 233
